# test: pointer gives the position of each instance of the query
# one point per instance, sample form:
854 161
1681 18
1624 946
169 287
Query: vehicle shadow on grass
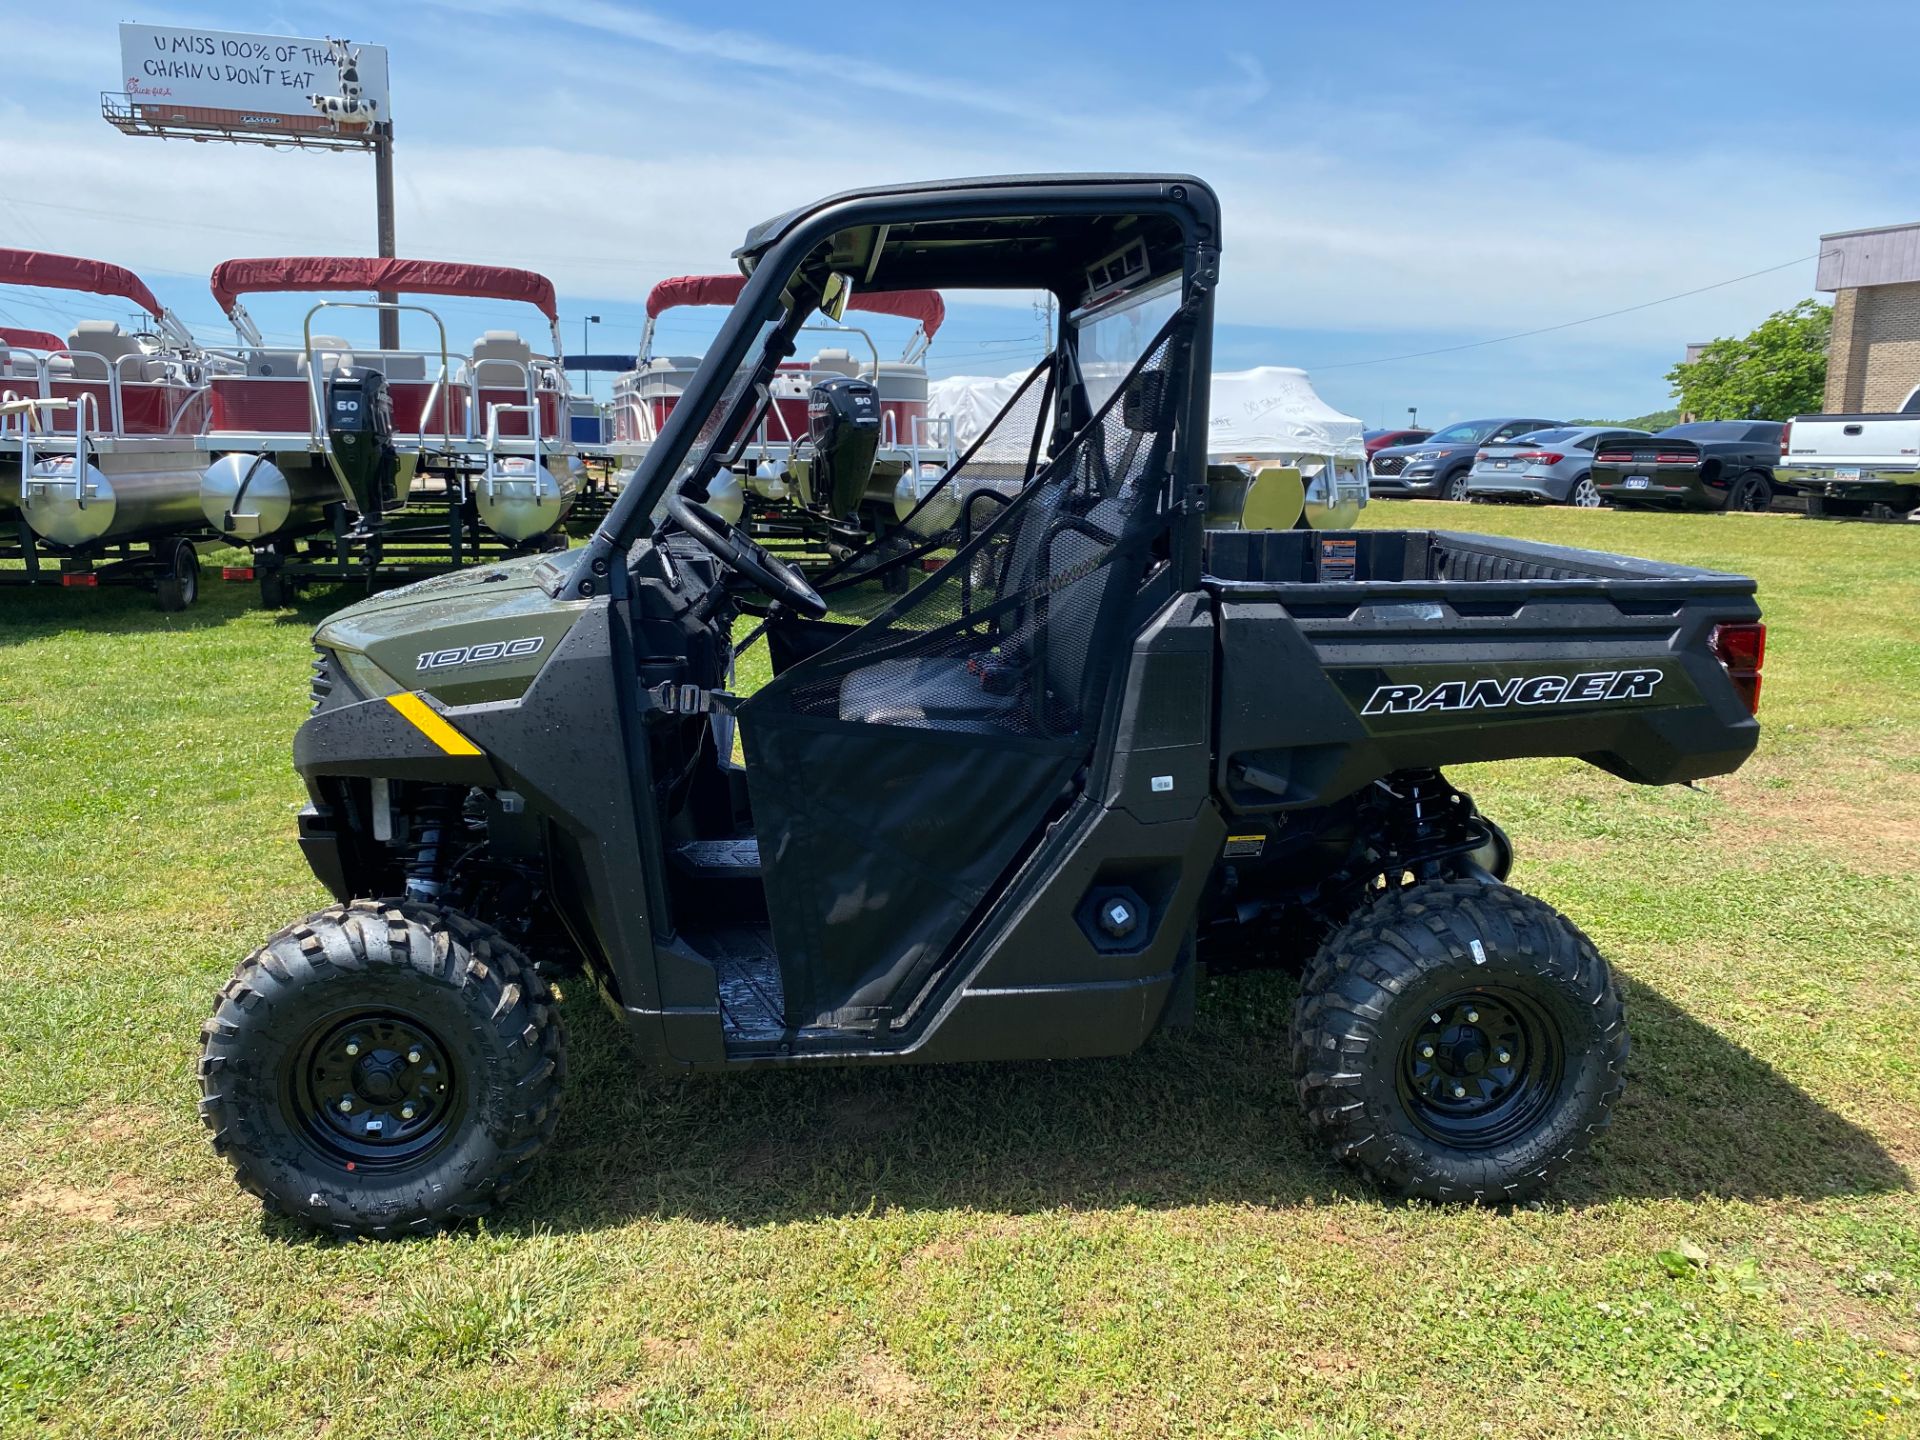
1203 1115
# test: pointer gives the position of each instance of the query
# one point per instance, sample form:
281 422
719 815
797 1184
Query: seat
331 351
931 692
501 359
272 364
101 349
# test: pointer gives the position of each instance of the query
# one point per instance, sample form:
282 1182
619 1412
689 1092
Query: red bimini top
926 306
234 278
70 272
30 339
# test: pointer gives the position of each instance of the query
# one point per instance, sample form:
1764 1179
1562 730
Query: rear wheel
1751 493
1456 486
1459 1042
382 1068
1585 494
179 585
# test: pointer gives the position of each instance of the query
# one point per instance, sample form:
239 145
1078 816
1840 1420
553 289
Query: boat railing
316 387
110 388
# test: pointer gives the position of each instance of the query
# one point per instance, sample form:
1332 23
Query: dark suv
1436 468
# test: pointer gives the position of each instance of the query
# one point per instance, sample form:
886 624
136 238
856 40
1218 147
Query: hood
470 636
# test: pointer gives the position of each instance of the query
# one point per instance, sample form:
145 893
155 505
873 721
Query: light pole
586 376
1413 417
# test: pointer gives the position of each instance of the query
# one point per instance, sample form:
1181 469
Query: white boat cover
1269 411
1274 411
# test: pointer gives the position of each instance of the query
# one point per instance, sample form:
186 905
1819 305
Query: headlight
365 676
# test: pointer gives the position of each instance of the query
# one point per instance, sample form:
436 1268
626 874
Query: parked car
1543 466
1856 464
1436 468
1381 439
1701 465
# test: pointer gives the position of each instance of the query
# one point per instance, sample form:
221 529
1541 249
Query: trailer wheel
1459 1042
179 586
382 1069
276 591
1750 494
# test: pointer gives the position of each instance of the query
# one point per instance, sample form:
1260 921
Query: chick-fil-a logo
134 87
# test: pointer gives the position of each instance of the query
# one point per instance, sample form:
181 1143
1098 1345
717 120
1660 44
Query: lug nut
1505 1057
1459 1092
1473 1017
1426 1052
413 1057
406 1112
346 1107
353 1047
1435 1017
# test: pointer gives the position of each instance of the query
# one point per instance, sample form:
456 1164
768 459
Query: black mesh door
899 773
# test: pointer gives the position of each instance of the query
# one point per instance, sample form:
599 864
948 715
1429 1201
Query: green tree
1777 372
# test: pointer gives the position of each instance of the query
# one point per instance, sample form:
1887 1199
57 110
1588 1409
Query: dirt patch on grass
881 1380
122 1204
1863 808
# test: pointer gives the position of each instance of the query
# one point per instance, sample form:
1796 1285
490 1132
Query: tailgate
1872 442
1491 650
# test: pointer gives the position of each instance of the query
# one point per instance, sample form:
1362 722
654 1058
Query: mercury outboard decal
1497 694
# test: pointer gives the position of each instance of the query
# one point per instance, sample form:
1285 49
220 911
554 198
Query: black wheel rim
373 1090
1481 1068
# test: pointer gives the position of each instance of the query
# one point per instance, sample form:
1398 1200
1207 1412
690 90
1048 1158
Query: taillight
1786 438
1539 457
1480 455
1614 457
1742 650
1666 459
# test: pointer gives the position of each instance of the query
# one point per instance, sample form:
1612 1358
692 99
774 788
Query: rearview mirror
833 300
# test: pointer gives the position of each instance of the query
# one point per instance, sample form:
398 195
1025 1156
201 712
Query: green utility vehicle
1012 793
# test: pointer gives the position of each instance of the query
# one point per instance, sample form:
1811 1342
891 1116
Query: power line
1568 324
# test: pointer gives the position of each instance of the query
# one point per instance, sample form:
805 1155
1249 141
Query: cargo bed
1405 649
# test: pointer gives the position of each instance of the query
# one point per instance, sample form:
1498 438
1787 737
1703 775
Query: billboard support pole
383 206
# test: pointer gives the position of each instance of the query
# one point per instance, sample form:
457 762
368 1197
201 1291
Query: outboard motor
360 434
843 428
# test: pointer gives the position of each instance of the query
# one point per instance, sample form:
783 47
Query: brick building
1873 360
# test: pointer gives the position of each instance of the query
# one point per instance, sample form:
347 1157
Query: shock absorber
433 834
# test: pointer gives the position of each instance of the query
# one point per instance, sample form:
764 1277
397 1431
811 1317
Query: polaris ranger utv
1012 802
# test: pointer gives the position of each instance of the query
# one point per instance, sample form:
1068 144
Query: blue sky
1397 178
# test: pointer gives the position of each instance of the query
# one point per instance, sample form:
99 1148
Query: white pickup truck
1855 464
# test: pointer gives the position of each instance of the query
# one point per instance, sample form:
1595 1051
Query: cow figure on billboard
350 107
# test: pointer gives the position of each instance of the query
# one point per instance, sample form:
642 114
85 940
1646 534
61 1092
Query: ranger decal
1497 694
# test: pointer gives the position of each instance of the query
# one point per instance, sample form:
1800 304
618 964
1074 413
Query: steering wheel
770 574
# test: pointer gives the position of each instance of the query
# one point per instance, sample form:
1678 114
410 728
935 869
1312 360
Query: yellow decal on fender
428 722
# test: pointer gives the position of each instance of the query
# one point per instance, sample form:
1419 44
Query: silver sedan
1544 466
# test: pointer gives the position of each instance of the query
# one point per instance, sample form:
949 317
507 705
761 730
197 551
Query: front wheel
1585 494
1459 1042
381 1069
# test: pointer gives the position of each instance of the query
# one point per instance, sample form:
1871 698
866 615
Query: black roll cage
788 260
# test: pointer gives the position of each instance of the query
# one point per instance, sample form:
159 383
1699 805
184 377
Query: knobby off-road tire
342 1024
1537 992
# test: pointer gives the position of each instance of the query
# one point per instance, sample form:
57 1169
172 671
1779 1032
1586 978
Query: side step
720 859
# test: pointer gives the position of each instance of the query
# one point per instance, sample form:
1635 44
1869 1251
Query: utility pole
383 205
586 345
1413 417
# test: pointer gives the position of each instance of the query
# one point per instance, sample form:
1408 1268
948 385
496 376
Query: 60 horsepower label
481 653
1452 696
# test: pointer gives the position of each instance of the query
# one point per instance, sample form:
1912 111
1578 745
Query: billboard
257 79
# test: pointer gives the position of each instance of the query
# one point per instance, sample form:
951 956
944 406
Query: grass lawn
1135 1247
